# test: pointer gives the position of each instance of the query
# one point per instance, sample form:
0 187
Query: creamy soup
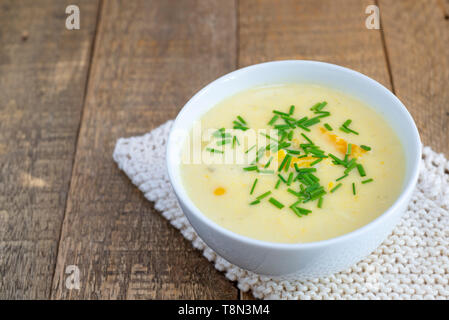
293 163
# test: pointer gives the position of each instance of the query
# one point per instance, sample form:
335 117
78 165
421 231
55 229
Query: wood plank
330 30
43 70
444 4
150 57
326 30
417 39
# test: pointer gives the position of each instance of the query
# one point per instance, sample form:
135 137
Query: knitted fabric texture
412 263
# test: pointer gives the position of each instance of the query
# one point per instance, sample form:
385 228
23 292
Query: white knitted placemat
412 263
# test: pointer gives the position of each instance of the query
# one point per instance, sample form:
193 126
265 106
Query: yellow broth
222 191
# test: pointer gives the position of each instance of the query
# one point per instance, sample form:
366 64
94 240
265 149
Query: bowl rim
407 190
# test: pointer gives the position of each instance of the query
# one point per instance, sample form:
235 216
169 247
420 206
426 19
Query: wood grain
327 30
444 5
43 68
330 30
417 38
150 57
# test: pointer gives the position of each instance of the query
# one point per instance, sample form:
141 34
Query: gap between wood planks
91 54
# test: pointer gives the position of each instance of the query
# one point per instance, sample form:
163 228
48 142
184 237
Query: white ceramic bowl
307 260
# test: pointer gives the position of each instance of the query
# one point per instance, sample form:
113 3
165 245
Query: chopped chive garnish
310 188
234 141
292 110
293 192
287 165
263 195
350 163
254 185
320 202
293 151
268 163
345 129
290 179
280 113
336 159
316 194
316 161
342 177
365 147
296 203
273 120
260 153
274 147
301 121
284 145
251 168
284 161
282 126
306 180
311 122
304 170
350 167
321 106
303 128
323 114
289 120
295 210
303 211
361 170
349 150
307 138
269 137
222 142
283 135
336 187
240 128
352 131
250 149
277 184
318 154
282 178
219 133
214 150
313 177
276 203
347 123
316 105
296 167
241 120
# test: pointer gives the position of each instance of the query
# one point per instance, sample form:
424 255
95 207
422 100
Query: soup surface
292 163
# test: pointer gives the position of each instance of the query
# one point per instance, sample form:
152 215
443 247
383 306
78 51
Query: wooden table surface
67 95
